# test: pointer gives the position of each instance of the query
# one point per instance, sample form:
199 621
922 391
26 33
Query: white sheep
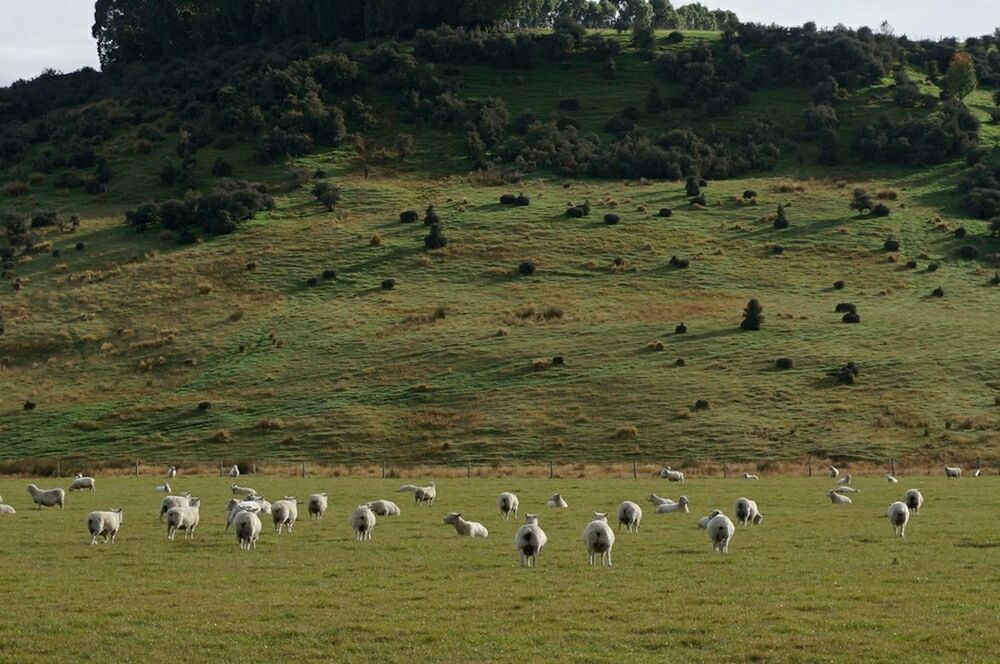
898 515
953 471
834 471
284 513
263 507
720 531
247 526
234 507
529 540
890 479
466 528
629 515
671 475
556 501
6 509
362 520
750 476
104 525
384 508
171 472
184 518
244 491
80 483
180 500
598 538
47 497
845 480
838 499
745 511
234 471
669 508
163 488
316 505
979 471
507 503
657 501
421 494
705 520
846 489
914 500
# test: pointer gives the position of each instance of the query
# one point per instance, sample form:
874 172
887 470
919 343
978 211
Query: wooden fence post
810 466
220 469
552 472
468 470
383 470
303 469
892 466
635 469
137 469
725 470
58 468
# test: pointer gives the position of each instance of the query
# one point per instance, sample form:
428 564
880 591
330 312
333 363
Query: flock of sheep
244 510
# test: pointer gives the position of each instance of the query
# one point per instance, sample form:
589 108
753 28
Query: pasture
815 582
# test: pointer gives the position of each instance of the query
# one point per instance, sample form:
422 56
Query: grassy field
815 582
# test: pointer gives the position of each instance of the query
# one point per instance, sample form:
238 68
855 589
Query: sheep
657 501
6 509
953 471
845 480
508 503
529 540
316 505
838 499
629 514
705 520
163 488
234 507
846 489
720 532
599 539
384 508
466 528
184 518
898 515
104 525
425 494
979 471
234 472
668 508
914 500
284 513
556 501
244 491
362 520
247 526
180 500
47 498
746 512
890 479
750 476
80 483
833 471
671 475
171 472
263 507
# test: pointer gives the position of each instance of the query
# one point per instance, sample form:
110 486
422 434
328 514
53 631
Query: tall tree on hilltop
960 80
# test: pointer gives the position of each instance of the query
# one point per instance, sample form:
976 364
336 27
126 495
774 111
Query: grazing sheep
384 508
671 475
80 483
234 507
163 488
720 531
168 502
834 471
184 518
284 513
425 494
914 500
953 471
244 491
234 471
846 489
746 512
705 520
668 508
657 501
629 514
749 476
316 505
890 479
171 472
529 540
556 501
508 503
838 499
845 480
104 525
466 528
898 515
247 526
47 498
599 539
362 520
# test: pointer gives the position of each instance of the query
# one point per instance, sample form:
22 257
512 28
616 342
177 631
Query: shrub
388 284
880 210
435 239
222 168
15 188
522 200
611 219
312 282
408 216
749 194
558 361
780 219
995 279
777 249
933 267
959 232
861 201
681 329
911 265
968 252
891 244
691 187
938 292
42 219
679 263
329 274
701 404
847 374
753 316
327 193
431 216
851 317
845 307
507 199
666 212
784 363
675 37
838 285
527 268
574 212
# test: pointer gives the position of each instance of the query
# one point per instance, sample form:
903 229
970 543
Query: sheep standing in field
833 471
838 498
898 515
171 472
247 526
180 500
508 503
669 508
316 505
890 479
163 488
914 500
953 471
671 475
263 507
234 472
243 491
47 497
234 507
466 528
705 520
720 532
843 490
657 501
556 501
362 520
184 518
384 508
750 476
845 480
599 539
421 494
529 540
745 511
629 515
104 525
80 483
6 509
284 513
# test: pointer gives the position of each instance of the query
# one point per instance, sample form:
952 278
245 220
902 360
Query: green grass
814 582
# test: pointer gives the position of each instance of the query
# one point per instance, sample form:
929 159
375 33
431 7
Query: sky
39 34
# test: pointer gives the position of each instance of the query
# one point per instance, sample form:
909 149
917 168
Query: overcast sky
35 34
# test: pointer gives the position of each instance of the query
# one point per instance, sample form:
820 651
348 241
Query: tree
996 98
328 194
753 316
960 79
780 220
664 14
404 146
435 239
861 201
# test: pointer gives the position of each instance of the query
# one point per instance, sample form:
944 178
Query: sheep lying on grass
629 515
837 498
6 509
599 539
898 515
508 503
705 520
890 479
746 512
316 505
750 476
47 497
529 540
244 491
163 488
843 490
384 508
845 480
263 506
104 525
180 500
247 526
284 513
362 521
80 483
657 500
466 528
556 501
720 532
421 494
914 500
184 518
680 506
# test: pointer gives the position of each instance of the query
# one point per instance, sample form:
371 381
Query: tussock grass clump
388 284
839 285
527 268
270 423
681 329
845 307
628 432
655 346
784 363
851 317
891 244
